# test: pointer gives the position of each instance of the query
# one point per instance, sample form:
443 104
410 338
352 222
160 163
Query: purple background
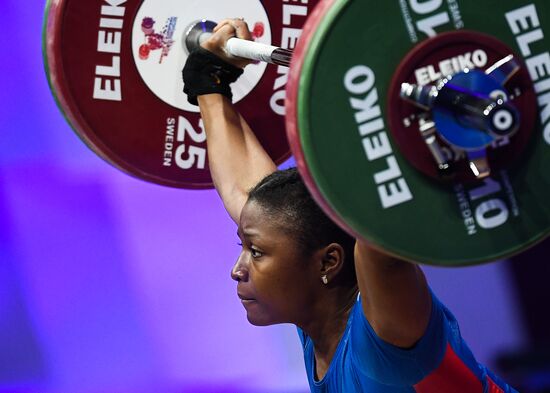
110 284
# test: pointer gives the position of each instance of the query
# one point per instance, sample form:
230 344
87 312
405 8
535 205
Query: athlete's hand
226 29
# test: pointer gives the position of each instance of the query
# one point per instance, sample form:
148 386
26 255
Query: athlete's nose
240 269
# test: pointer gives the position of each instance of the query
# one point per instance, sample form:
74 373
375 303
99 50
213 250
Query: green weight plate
339 130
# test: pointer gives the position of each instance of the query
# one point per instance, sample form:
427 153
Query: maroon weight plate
114 67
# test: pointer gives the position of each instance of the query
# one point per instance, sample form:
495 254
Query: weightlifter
368 322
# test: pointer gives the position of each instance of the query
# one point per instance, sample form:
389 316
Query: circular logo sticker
158 43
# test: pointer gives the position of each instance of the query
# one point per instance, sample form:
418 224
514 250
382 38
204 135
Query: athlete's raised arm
236 158
395 296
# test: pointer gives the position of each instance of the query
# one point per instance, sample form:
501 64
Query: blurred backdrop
110 284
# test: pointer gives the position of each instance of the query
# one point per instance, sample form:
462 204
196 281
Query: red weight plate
114 67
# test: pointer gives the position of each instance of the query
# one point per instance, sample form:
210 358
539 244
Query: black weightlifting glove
206 73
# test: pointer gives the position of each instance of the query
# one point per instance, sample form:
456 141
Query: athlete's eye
255 253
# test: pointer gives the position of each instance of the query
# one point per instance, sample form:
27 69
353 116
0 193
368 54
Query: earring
325 279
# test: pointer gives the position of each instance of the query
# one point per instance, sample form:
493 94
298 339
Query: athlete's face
275 281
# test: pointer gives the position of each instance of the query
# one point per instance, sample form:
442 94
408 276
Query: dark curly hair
284 196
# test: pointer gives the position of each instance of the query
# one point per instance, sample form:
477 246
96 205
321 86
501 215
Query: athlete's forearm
237 160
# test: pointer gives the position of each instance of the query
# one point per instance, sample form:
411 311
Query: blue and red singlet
440 362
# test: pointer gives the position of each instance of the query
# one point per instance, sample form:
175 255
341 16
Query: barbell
199 31
422 127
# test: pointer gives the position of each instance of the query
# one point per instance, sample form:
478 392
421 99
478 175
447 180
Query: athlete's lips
245 297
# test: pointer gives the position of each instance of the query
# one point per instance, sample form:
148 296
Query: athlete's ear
331 260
